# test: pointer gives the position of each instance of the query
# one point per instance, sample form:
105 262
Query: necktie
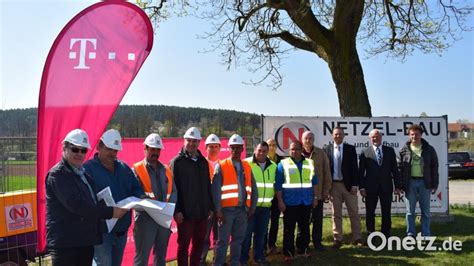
379 156
338 156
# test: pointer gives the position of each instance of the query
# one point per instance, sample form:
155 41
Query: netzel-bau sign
288 129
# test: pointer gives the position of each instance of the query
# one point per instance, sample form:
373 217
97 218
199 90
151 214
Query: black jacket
72 217
350 175
193 185
429 165
372 176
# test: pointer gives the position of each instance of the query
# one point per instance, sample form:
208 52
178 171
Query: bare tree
257 33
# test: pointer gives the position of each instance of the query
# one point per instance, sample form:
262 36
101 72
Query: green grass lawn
13 183
462 228
15 162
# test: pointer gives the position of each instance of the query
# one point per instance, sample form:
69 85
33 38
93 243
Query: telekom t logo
82 51
87 49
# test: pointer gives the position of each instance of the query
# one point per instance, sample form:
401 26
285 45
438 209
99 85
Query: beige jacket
323 171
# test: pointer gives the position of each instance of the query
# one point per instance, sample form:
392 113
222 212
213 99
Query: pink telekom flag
90 66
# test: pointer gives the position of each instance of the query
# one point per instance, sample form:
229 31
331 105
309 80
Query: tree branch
302 15
242 20
392 24
296 42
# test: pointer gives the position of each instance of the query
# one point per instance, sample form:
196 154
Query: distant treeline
139 120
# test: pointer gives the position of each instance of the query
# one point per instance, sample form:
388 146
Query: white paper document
106 195
160 212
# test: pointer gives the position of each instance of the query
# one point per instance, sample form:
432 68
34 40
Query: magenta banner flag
88 70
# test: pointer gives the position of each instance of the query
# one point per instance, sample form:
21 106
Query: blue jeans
417 191
110 253
258 226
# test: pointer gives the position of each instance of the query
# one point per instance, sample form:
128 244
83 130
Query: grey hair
376 130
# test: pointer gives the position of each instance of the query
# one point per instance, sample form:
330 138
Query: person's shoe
303 254
337 244
288 256
262 262
272 251
358 243
319 247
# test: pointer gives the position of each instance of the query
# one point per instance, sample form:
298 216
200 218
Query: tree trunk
347 74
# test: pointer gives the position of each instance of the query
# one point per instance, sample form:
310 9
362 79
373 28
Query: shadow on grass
349 255
460 229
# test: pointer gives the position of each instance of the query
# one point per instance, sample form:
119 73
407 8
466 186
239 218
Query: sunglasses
77 150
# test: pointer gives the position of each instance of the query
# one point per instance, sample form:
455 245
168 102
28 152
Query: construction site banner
287 129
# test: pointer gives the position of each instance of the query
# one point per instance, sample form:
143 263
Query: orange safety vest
144 177
230 185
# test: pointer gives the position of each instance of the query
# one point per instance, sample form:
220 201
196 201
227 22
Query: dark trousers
274 222
257 226
211 226
195 230
296 215
79 256
385 204
317 220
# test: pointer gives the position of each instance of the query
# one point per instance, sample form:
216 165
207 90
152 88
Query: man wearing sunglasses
72 211
107 171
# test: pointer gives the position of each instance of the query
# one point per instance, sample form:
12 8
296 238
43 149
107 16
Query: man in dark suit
378 172
345 182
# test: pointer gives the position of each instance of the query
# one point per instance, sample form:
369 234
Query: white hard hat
235 140
112 140
154 141
78 137
213 139
192 133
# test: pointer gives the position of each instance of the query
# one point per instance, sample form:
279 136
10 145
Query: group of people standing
239 201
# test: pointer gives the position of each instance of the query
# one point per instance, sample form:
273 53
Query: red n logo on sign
288 133
16 213
289 137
